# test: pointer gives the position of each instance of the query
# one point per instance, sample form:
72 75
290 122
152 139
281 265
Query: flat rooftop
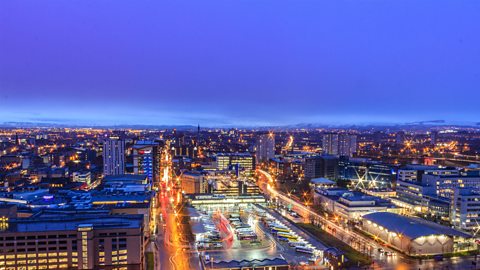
62 222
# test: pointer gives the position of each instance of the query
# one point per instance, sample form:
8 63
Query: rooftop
71 222
322 181
410 226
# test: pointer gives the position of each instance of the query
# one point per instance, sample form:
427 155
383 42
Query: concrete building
347 145
113 156
193 183
265 147
445 185
330 144
79 241
415 236
465 210
414 173
321 166
350 205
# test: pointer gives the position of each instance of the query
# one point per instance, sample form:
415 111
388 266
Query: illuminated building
244 161
82 177
193 183
415 236
265 147
465 211
414 173
350 205
366 174
146 159
113 156
79 241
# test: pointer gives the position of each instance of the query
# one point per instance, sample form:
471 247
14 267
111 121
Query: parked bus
287 235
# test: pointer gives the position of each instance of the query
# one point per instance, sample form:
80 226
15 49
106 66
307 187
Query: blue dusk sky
237 62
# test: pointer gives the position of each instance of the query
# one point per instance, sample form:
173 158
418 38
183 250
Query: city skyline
239 63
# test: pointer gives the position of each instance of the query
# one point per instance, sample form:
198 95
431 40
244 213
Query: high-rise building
330 144
339 144
146 159
113 156
321 166
265 147
347 145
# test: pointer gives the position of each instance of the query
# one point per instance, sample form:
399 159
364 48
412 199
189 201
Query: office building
366 173
73 241
465 210
414 173
321 166
265 147
113 156
193 183
240 161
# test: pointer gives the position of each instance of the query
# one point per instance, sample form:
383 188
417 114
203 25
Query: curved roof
410 226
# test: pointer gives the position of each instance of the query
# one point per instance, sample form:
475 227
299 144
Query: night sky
234 62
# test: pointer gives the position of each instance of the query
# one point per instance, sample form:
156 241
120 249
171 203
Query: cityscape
403 197
240 135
